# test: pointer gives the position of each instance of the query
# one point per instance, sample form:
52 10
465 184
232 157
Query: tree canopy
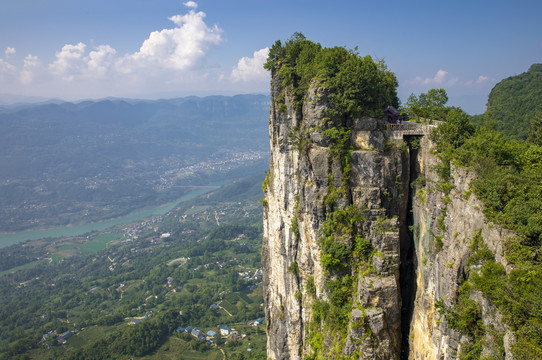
431 105
515 101
359 85
509 174
535 132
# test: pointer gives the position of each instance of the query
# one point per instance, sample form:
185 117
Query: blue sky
73 49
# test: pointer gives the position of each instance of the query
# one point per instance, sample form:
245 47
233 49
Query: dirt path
227 312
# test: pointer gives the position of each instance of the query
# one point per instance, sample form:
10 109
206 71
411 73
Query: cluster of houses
60 338
248 275
257 322
225 331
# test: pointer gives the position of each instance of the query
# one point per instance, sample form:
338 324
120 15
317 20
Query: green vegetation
99 287
429 106
466 316
508 182
357 85
509 174
535 132
514 102
97 243
346 255
293 268
310 287
515 294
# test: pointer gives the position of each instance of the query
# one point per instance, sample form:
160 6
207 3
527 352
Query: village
223 332
194 266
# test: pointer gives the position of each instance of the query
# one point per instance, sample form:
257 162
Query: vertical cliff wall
308 184
447 224
365 247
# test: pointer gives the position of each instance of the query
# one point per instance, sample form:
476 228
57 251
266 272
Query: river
7 239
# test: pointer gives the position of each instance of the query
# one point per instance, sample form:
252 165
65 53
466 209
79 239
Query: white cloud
251 68
70 62
6 70
10 51
441 78
179 48
482 79
168 60
101 61
31 67
191 4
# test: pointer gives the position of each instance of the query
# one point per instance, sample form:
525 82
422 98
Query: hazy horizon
147 50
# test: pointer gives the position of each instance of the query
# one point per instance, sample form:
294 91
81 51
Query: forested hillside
133 291
508 173
515 102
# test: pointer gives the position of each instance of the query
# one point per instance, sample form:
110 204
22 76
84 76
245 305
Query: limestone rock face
391 310
441 269
298 181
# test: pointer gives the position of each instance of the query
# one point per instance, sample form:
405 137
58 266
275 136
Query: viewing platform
398 131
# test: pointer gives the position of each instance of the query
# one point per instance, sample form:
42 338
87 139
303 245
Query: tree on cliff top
430 105
359 85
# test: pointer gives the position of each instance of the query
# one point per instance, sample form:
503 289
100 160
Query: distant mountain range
65 163
17 100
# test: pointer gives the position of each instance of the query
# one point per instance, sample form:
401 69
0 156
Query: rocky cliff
365 245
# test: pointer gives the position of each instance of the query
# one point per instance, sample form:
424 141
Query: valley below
186 283
69 164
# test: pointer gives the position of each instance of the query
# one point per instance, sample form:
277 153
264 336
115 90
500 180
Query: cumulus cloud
101 61
179 48
31 68
74 62
167 60
443 78
482 79
6 70
191 4
10 51
70 62
251 68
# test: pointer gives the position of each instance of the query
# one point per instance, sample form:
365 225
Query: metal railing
410 128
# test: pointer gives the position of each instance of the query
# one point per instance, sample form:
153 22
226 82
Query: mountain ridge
108 157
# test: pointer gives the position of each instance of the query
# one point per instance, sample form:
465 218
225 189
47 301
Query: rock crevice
407 249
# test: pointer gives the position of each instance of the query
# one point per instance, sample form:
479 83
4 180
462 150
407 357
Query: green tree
535 131
455 131
357 85
515 101
431 105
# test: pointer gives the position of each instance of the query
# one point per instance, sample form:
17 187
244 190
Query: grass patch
232 297
97 243
89 334
244 297
175 348
22 267
232 309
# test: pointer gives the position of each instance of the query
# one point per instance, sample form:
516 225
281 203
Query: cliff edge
365 247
